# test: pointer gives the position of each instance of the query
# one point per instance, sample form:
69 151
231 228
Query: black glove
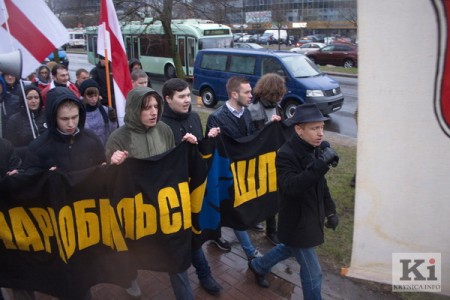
112 115
332 221
329 156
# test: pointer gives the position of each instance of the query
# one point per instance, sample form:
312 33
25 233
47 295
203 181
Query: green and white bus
147 42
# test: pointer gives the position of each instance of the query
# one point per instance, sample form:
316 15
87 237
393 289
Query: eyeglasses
32 97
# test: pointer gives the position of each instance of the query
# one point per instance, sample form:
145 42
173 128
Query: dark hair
173 85
270 87
79 71
146 100
234 84
58 67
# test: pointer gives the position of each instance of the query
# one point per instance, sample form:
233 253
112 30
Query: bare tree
278 19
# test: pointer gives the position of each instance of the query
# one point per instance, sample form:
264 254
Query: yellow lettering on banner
244 178
88 230
146 218
125 210
52 215
197 196
244 183
168 200
185 204
66 225
45 225
25 232
111 233
267 173
6 233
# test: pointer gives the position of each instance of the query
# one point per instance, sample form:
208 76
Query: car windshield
300 66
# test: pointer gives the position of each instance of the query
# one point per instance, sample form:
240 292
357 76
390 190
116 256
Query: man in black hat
301 164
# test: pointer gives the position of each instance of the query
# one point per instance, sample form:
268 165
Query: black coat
305 198
182 123
67 152
229 124
9 160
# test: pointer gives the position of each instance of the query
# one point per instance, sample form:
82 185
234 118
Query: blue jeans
180 286
246 244
310 271
200 263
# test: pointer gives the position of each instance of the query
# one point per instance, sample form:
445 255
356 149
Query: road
341 121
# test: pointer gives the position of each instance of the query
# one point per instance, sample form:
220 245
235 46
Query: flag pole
108 81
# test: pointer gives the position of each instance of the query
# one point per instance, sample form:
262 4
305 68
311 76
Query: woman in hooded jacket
22 128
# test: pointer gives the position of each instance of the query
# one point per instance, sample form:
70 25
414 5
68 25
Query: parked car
247 46
244 38
63 59
267 38
345 55
304 40
304 81
253 38
308 47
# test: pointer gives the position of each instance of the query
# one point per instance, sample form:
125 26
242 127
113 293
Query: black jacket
18 129
182 123
66 152
9 160
305 198
229 124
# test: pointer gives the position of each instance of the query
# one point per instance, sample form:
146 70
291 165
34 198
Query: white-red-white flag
33 28
110 38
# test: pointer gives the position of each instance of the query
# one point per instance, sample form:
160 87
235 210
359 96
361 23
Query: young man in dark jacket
301 164
178 115
66 145
234 120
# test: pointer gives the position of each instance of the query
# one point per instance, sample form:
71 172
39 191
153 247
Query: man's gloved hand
332 221
329 156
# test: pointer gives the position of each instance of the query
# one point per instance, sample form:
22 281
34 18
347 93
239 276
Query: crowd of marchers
51 123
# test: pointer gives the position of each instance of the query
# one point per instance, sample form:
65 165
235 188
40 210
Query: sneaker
222 244
134 291
210 285
258 227
273 238
255 254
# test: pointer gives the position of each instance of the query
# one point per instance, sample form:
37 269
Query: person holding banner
66 145
235 121
301 165
143 136
265 108
181 119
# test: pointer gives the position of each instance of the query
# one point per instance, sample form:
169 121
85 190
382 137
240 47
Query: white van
272 36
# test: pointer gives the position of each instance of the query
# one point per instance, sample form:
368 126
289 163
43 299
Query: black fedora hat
306 113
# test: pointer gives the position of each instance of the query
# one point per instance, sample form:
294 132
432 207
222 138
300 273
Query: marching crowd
56 124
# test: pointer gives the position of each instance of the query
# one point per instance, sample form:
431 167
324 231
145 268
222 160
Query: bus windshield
300 66
216 42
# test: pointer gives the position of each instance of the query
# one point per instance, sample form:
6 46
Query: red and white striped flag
33 28
110 38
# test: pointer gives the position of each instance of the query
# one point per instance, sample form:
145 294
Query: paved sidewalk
231 271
